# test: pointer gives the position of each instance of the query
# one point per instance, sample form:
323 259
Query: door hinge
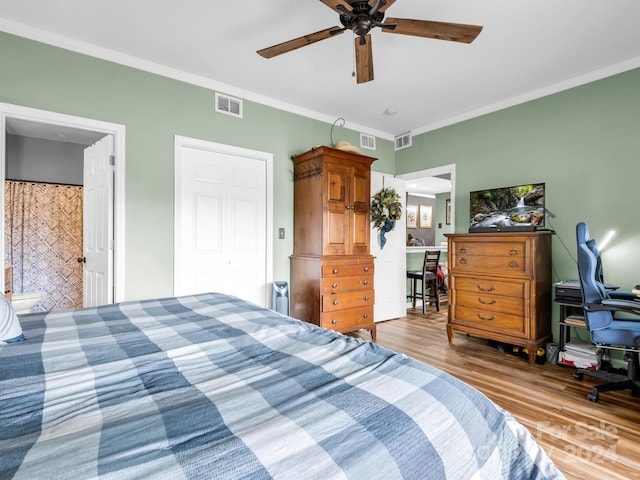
112 160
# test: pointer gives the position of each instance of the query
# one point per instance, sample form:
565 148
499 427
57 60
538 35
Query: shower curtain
43 241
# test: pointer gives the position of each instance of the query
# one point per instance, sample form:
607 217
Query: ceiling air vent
403 141
229 105
367 141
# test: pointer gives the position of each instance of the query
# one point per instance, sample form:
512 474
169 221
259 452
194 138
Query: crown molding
605 72
67 43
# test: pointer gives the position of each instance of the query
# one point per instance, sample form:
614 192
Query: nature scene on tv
522 205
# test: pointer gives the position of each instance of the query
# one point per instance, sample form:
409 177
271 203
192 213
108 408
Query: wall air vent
403 141
367 141
229 105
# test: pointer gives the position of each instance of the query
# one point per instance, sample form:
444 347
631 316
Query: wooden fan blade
372 4
454 32
296 43
339 6
364 60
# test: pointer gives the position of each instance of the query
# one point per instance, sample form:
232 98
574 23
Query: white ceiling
527 49
48 131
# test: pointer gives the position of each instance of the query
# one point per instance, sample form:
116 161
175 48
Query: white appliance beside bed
210 386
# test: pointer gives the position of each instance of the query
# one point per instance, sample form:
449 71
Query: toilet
25 302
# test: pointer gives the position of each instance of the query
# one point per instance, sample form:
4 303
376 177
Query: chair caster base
593 396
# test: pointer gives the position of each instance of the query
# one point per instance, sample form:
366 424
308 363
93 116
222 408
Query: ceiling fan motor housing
360 20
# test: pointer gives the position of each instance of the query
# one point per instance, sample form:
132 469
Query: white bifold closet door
220 225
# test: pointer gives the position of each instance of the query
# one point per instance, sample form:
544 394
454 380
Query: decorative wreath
386 209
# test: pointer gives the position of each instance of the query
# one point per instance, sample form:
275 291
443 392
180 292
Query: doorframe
179 143
432 172
118 131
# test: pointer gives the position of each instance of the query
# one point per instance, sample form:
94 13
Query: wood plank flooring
585 440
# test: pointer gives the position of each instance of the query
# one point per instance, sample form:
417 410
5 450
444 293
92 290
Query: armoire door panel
336 234
337 185
360 233
360 190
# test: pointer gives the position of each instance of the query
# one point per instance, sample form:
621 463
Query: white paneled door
97 277
390 261
221 220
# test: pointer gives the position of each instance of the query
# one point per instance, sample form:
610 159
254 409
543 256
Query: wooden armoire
331 267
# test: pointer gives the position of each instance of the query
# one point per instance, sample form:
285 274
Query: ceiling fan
361 16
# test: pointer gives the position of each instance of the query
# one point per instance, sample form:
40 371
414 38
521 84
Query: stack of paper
581 354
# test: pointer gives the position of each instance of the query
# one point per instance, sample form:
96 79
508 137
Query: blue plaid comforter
210 386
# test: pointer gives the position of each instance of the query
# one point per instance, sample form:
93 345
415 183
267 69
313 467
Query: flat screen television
517 208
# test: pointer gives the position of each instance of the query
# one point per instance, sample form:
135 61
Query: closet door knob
82 259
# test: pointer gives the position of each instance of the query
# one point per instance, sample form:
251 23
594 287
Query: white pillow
10 329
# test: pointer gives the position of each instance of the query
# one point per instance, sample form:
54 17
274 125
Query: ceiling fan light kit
362 16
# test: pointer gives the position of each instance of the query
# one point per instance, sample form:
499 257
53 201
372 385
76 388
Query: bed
210 386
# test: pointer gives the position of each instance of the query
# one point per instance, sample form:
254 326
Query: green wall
584 143
154 109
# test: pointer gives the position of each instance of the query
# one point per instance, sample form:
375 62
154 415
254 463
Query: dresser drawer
489 302
346 320
489 286
346 270
341 301
477 262
493 248
344 284
489 320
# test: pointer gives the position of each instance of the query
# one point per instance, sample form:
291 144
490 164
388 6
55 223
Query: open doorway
42 157
431 199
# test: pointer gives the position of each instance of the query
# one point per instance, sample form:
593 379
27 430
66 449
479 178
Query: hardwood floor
585 440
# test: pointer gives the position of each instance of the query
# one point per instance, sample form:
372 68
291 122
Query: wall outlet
281 233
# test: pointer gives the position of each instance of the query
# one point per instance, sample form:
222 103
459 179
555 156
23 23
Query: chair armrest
611 305
623 295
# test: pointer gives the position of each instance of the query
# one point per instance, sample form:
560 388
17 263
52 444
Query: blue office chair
612 290
607 328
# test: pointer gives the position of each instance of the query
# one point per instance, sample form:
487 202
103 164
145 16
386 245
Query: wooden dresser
331 267
500 287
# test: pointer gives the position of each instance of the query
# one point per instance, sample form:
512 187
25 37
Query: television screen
508 208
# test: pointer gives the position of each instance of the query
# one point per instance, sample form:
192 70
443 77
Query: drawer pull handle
366 298
463 261
335 271
485 302
481 317
513 251
514 264
366 282
463 250
490 289
335 302
366 269
366 315
335 285
334 321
